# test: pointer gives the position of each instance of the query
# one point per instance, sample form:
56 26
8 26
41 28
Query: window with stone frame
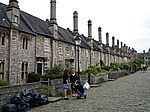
46 45
25 42
24 70
2 38
60 48
72 51
46 64
60 53
67 50
2 63
86 64
86 53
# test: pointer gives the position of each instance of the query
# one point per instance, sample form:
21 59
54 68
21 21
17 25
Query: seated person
79 90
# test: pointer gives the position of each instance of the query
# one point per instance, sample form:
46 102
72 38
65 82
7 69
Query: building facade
29 44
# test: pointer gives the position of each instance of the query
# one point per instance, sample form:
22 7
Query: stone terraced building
29 44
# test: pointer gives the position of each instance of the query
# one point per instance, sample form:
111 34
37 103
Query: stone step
94 85
111 79
54 99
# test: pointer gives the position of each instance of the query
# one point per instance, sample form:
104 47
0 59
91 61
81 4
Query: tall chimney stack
124 48
90 29
117 43
53 12
113 41
13 13
107 39
121 45
75 23
100 34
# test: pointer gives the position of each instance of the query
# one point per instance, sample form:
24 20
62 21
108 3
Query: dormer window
16 19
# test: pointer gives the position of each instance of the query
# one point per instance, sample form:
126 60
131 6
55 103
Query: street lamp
78 42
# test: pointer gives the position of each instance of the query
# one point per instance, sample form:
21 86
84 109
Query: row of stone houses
29 44
145 56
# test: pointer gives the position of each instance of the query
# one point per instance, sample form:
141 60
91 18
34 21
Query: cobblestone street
126 94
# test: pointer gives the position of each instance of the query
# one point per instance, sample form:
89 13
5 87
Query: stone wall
56 87
8 92
98 78
4 53
116 74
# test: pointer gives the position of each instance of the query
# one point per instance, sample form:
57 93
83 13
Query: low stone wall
56 87
98 78
116 74
9 91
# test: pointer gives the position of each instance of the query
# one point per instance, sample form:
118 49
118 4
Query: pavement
126 94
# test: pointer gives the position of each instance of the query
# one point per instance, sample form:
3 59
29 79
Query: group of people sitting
76 86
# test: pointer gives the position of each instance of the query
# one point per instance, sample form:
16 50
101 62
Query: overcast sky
126 20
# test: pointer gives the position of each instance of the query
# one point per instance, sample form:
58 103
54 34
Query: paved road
127 94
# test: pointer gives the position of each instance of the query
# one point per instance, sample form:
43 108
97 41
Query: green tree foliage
33 77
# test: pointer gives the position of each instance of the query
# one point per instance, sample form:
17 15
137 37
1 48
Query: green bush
116 66
103 70
92 70
55 73
3 83
32 77
138 62
98 68
134 67
126 66
83 72
107 68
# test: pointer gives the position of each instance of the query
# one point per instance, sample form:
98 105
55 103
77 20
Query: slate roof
24 27
65 35
33 25
3 17
95 45
84 42
28 23
104 48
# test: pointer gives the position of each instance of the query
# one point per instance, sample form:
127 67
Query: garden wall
7 92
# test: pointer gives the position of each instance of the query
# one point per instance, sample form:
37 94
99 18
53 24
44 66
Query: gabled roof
24 27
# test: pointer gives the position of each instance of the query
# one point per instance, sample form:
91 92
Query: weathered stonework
40 45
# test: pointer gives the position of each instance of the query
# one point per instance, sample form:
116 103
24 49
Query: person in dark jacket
65 83
79 90
73 78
